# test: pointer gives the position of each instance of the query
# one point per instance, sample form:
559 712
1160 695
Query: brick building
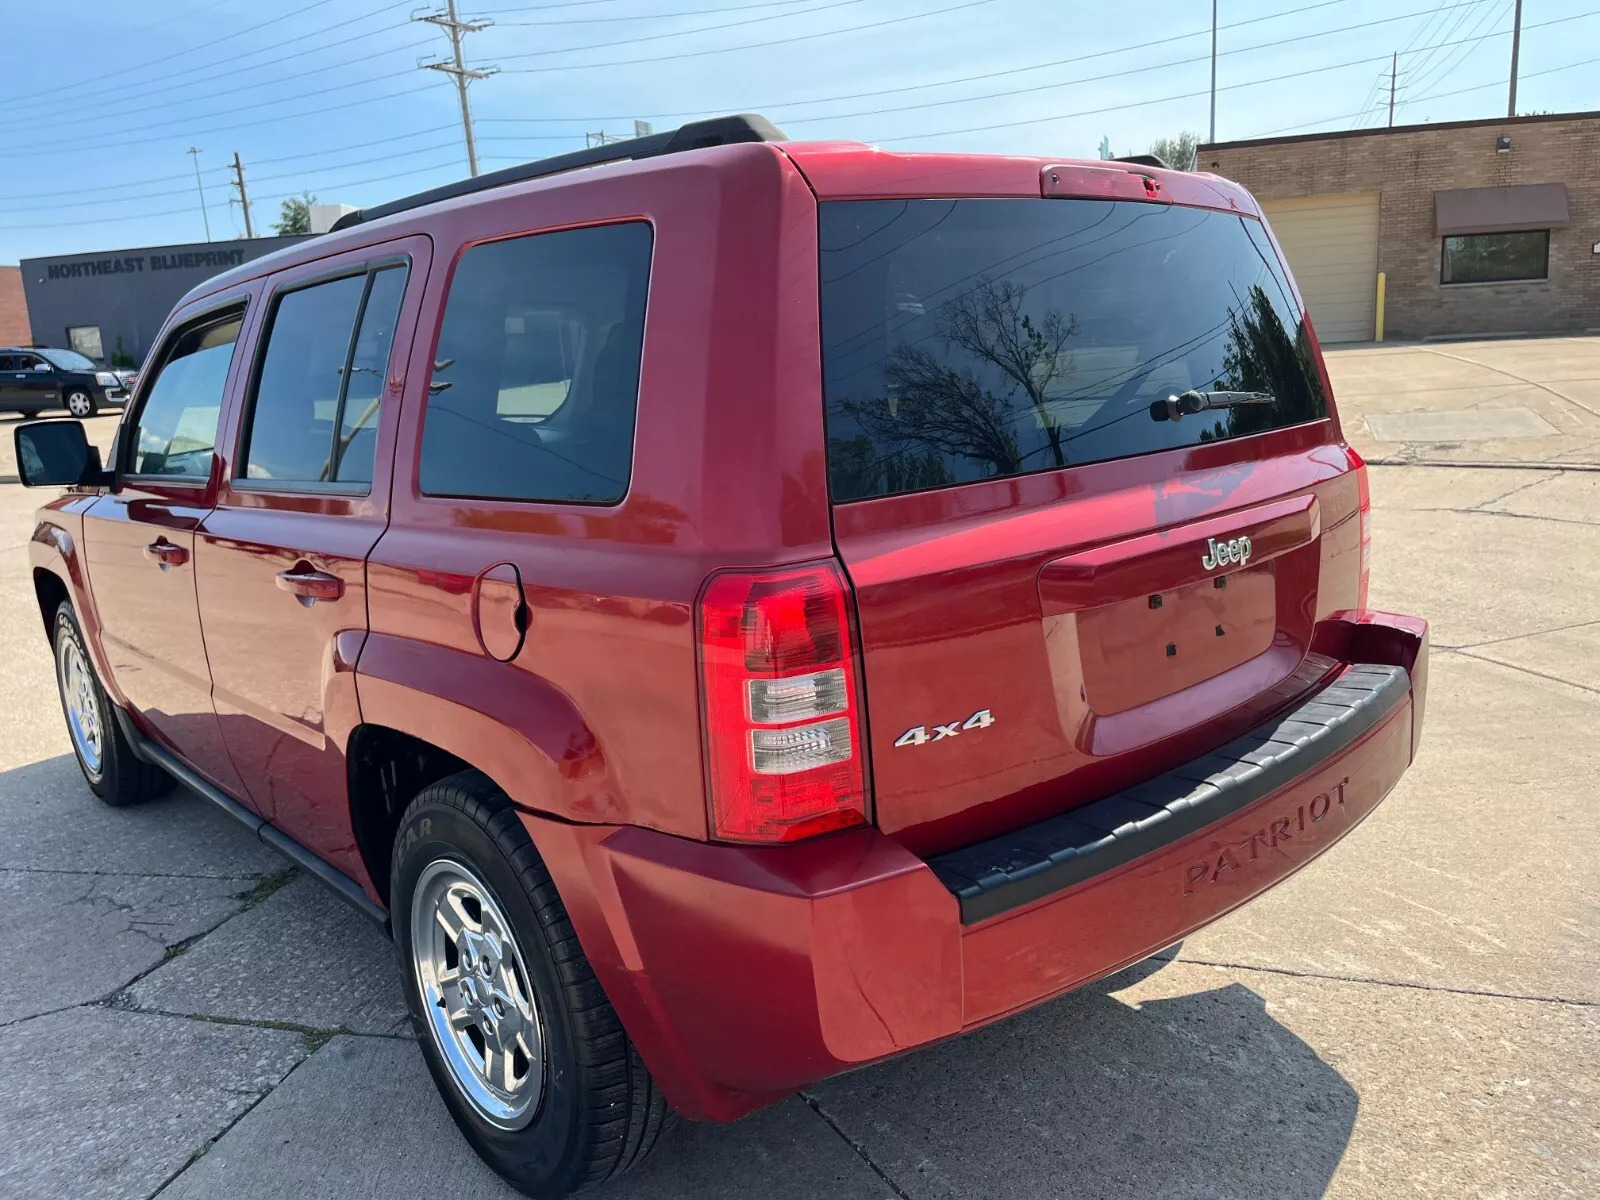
1479 227
13 308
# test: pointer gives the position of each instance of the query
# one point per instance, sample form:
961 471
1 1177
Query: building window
85 339
1496 257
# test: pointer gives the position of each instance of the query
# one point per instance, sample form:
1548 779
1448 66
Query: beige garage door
1332 245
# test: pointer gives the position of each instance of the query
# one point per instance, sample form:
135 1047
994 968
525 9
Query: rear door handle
309 586
166 554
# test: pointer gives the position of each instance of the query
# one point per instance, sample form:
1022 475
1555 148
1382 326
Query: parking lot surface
1415 1014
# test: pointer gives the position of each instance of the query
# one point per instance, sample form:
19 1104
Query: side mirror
43 367
57 454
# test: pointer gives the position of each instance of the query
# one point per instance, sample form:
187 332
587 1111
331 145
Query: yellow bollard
1382 280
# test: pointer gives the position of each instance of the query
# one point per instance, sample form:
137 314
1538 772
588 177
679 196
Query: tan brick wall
1406 166
13 309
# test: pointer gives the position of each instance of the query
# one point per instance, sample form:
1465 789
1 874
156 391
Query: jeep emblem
1235 550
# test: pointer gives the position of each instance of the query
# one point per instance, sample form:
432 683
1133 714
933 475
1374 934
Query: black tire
121 777
599 1112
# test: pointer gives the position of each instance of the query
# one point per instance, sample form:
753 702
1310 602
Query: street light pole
204 216
1213 134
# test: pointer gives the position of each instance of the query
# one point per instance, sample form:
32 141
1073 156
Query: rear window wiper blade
1175 408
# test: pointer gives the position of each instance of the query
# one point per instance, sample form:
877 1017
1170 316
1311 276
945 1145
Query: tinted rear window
980 339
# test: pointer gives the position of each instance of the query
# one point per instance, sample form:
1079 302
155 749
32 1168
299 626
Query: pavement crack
1582 687
1521 487
1517 637
861 1151
243 876
228 1128
1482 993
318 1035
1543 387
49 1012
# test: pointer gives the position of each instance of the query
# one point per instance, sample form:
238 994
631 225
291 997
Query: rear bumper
743 973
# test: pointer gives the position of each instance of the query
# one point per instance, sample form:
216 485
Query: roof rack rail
716 131
1143 160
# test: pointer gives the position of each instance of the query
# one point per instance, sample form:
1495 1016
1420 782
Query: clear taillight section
782 710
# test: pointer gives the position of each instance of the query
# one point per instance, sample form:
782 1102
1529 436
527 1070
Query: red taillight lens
782 712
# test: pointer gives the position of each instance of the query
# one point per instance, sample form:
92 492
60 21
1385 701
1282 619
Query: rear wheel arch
387 769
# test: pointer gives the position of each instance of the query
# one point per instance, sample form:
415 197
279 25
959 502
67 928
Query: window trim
1444 253
247 411
234 307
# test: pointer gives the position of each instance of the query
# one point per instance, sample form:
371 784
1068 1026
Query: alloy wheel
83 708
476 993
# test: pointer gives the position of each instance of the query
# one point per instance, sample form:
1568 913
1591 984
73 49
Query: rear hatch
1086 489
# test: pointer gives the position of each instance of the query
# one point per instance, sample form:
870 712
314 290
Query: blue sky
325 95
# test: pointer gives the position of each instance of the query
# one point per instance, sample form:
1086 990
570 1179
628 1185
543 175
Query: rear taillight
782 711
1364 497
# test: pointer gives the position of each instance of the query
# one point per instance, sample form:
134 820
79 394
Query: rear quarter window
984 338
536 376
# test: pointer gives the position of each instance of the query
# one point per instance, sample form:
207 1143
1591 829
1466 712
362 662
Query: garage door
1332 246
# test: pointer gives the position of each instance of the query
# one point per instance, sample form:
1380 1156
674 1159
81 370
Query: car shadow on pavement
1151 1082
1155 1081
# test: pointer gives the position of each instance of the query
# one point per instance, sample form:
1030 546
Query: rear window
981 339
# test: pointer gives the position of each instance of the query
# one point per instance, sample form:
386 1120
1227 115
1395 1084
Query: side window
313 415
536 377
176 432
7 363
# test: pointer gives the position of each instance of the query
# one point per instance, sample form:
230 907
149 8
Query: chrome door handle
166 554
308 586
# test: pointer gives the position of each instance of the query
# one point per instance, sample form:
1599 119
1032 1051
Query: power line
656 37
1306 125
1141 69
322 110
805 37
141 90
917 87
692 12
1454 57
154 62
1181 95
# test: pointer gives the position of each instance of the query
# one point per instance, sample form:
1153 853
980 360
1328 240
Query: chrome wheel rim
476 994
83 711
78 404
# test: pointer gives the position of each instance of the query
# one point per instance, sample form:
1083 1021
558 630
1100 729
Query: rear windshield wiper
1175 408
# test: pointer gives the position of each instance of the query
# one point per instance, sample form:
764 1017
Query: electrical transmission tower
455 67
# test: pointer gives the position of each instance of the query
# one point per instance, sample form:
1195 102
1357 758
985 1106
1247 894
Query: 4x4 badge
920 736
1235 550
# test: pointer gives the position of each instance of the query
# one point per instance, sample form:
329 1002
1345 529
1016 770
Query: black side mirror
57 454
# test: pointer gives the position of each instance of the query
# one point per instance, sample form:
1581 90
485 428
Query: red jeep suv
736 610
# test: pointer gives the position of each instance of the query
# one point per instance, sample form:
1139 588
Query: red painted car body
745 971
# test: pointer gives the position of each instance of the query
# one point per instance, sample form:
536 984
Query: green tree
295 215
1177 152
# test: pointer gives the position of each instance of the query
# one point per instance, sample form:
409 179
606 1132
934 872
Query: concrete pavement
1417 1013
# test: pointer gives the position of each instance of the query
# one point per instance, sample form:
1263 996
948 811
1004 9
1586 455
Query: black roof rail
716 131
1143 160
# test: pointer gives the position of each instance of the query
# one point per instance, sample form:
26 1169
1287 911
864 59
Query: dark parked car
34 380
741 613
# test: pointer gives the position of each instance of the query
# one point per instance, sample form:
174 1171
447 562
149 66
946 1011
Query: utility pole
1516 47
1394 60
204 216
1213 134
455 66
244 200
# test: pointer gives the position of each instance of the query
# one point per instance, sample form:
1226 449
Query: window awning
1499 209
